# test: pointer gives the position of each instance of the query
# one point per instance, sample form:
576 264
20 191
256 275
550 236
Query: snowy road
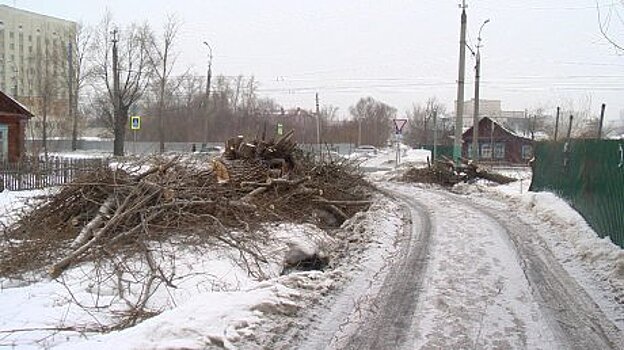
397 300
469 276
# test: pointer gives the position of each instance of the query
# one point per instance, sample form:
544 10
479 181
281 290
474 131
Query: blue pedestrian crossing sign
135 122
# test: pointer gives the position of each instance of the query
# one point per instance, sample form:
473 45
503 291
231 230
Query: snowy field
217 303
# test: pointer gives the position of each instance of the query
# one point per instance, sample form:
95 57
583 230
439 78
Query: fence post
557 124
602 113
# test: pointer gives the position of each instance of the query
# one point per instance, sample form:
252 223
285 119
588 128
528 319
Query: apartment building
33 59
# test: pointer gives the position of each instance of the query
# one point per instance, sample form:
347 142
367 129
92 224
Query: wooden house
497 144
13 119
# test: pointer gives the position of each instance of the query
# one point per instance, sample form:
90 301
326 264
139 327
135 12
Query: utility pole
602 113
570 128
475 117
318 125
457 148
208 78
119 124
359 141
435 135
557 123
70 89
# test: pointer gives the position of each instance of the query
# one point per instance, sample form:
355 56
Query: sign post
135 124
280 129
399 123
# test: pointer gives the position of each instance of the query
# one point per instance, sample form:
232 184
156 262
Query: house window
499 151
486 151
527 152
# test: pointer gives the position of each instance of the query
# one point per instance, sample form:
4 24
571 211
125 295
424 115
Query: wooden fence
30 174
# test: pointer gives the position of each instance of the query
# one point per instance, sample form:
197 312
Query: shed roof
9 105
501 126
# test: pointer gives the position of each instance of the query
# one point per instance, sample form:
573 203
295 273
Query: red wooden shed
13 119
497 144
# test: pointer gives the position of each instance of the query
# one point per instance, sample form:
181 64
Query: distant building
493 109
33 60
13 119
498 144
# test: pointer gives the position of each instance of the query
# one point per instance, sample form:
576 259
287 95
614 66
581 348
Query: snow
219 318
12 201
81 154
596 263
216 299
474 284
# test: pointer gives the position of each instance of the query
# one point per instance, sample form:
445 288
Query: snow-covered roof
506 129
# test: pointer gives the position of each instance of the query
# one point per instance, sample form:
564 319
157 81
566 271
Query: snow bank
220 319
12 201
605 258
596 263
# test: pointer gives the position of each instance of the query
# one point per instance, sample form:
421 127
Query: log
98 221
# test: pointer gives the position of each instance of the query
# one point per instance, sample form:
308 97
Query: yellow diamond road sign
135 123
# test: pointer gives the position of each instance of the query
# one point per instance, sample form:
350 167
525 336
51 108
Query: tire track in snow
575 318
388 327
475 294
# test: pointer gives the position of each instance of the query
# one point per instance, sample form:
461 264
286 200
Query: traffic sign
399 123
135 122
280 129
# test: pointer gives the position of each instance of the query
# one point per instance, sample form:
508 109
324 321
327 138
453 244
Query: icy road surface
472 277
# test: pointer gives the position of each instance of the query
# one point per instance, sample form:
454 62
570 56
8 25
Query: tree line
116 72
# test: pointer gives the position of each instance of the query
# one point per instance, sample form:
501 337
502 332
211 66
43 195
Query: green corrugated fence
446 151
590 175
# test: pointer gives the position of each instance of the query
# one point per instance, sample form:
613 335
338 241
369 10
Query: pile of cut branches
445 173
116 211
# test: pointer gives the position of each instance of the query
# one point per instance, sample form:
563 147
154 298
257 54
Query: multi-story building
492 109
34 60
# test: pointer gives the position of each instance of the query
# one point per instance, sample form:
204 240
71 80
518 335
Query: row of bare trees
117 71
108 72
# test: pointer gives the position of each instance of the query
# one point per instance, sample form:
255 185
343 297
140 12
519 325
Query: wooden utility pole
570 128
459 117
435 134
120 122
602 113
557 123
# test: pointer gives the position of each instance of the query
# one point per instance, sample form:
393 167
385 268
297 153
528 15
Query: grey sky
536 53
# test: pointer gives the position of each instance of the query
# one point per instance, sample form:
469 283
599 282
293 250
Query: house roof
507 130
9 105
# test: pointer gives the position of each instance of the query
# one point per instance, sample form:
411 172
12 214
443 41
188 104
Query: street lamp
475 117
208 77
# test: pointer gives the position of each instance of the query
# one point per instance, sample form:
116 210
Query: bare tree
121 63
44 80
611 21
162 59
79 73
420 121
374 120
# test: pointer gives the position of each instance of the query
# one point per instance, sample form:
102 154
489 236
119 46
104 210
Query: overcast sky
536 53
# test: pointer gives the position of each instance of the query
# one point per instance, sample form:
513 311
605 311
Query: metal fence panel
590 175
33 173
